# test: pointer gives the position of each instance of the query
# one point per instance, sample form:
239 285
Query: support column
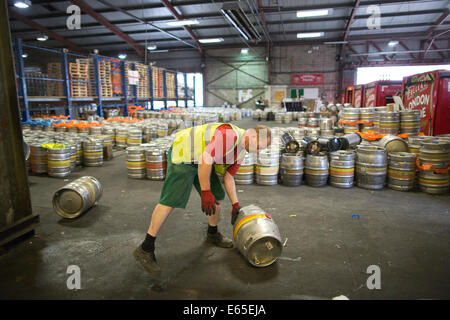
16 216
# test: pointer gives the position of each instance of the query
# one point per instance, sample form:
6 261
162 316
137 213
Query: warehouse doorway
366 75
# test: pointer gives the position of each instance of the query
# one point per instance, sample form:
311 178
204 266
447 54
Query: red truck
379 93
430 93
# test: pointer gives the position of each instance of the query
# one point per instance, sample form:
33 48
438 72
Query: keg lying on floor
257 236
77 197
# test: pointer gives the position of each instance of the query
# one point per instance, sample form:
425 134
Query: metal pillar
165 89
133 67
193 79
66 84
22 81
185 91
98 88
124 88
176 88
16 215
150 79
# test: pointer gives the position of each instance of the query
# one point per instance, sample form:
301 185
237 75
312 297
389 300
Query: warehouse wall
288 60
223 83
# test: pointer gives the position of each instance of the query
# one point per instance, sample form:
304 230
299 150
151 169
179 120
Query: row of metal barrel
149 160
381 121
369 165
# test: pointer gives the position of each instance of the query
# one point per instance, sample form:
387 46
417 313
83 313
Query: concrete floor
326 254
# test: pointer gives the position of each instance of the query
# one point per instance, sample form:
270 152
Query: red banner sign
307 78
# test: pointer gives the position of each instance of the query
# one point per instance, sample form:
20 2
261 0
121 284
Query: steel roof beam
438 22
349 25
127 22
43 29
187 3
177 16
102 20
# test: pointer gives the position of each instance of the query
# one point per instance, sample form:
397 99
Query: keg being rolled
77 197
257 236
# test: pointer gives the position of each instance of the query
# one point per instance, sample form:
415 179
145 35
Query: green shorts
178 184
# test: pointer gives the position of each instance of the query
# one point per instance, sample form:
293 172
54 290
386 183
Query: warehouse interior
353 191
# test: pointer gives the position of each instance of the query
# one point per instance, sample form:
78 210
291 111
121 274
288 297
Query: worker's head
257 138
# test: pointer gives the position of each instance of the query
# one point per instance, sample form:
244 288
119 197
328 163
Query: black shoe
147 260
219 240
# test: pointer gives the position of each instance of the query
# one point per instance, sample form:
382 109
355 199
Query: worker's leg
213 235
159 215
175 194
214 218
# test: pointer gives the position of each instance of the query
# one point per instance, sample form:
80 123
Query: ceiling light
22 4
151 48
335 42
24 55
237 17
122 56
211 40
244 50
310 35
42 38
312 13
393 43
182 23
95 51
162 50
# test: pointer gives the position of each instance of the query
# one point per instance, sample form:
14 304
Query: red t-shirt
222 142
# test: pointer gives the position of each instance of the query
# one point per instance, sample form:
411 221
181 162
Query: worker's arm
205 164
230 187
204 173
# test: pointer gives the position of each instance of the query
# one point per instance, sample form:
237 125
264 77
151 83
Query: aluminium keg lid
264 251
68 203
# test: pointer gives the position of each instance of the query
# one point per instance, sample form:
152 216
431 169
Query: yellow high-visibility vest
190 143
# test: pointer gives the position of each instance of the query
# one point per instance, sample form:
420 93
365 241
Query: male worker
196 156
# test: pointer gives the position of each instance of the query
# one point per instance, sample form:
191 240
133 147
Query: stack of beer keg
434 159
350 116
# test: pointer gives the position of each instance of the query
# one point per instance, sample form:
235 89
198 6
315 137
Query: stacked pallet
170 83
116 77
130 88
78 72
104 70
54 88
91 91
104 67
157 76
143 90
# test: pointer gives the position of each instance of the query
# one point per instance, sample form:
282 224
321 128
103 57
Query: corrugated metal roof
399 19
